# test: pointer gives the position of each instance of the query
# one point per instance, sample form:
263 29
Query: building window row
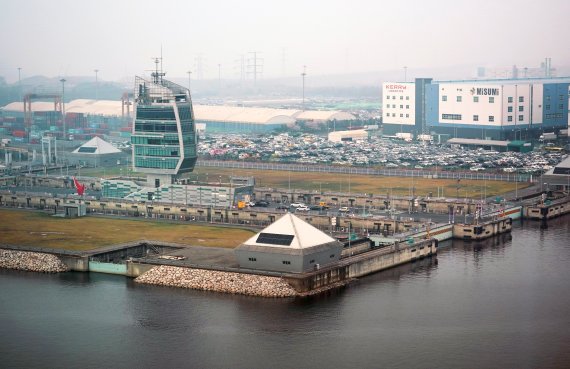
475 98
554 116
394 97
510 118
560 106
394 106
560 97
451 116
156 163
156 151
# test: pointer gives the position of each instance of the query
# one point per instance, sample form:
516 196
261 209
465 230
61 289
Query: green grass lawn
309 181
398 186
42 230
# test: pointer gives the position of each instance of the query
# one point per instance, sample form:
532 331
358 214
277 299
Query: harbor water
500 303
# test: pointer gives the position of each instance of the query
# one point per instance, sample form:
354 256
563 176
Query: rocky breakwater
211 280
31 261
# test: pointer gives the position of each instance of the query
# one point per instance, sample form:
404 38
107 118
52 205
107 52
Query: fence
510 177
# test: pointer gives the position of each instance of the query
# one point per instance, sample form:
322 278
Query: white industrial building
486 109
399 105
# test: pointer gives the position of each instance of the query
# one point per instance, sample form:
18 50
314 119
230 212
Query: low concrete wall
361 265
108 268
246 217
76 263
136 269
393 256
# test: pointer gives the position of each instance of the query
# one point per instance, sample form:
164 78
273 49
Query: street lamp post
303 75
19 83
219 79
516 184
63 104
96 84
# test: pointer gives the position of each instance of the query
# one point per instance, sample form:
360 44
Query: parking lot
377 152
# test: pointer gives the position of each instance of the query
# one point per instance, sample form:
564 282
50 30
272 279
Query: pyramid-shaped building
289 245
96 152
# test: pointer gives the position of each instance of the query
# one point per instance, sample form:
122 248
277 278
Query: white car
302 208
297 204
343 209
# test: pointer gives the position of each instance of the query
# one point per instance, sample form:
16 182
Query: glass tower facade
164 134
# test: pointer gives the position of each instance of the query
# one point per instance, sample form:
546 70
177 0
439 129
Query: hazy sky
72 38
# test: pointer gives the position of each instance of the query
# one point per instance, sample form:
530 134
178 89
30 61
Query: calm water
498 304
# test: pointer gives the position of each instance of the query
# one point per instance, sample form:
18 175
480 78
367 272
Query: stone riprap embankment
211 280
31 261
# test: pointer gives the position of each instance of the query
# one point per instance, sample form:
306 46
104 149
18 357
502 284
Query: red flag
80 188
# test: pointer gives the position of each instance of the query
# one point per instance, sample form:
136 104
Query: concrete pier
543 210
482 230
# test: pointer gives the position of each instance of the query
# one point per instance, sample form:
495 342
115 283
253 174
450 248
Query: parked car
282 207
262 203
302 208
297 204
344 209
